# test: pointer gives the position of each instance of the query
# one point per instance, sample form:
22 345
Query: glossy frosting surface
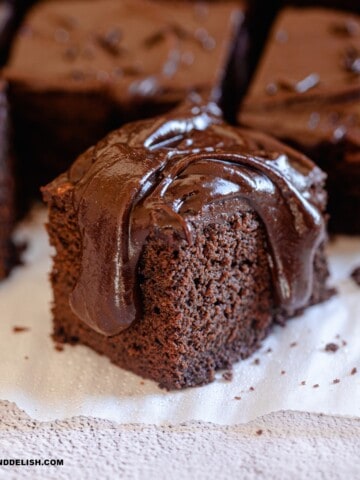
164 173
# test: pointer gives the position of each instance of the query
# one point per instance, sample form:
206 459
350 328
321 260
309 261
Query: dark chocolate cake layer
82 68
306 91
179 242
7 213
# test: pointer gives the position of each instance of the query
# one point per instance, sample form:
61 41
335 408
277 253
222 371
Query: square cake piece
82 68
179 242
7 210
306 91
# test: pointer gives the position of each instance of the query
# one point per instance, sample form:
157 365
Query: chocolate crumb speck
353 371
293 344
142 382
331 347
269 350
344 343
17 329
283 372
256 361
251 389
237 398
336 380
316 385
26 357
259 432
59 348
355 275
303 382
228 376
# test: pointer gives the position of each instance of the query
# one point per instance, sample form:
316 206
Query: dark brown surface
306 91
79 69
205 304
7 214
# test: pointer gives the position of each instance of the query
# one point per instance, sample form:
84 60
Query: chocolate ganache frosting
162 174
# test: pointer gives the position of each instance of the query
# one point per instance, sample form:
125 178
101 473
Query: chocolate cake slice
7 210
306 91
180 241
79 69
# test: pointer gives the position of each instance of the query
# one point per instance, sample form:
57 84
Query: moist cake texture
306 91
79 69
180 241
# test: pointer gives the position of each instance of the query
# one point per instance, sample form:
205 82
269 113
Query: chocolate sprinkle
316 385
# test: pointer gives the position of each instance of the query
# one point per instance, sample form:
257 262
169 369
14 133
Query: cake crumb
251 389
353 371
293 344
303 382
59 348
355 275
259 432
18 329
237 398
331 347
336 380
256 361
316 385
227 376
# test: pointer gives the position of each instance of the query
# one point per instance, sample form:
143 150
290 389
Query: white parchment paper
293 370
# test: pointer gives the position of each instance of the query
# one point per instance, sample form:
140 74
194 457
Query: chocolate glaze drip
163 174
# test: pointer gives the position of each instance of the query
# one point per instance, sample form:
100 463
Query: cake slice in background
306 91
7 207
79 69
180 240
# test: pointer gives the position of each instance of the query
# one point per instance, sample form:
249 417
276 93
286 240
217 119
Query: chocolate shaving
111 42
351 60
348 28
161 35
